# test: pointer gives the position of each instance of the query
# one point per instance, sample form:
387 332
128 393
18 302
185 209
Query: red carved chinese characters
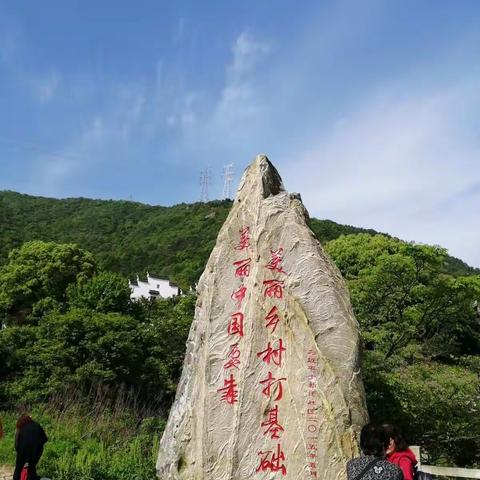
273 427
244 238
238 296
272 319
273 354
233 358
273 288
272 387
229 390
242 267
270 382
236 322
235 326
276 261
271 460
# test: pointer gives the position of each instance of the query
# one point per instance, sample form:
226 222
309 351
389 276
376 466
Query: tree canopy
421 336
40 272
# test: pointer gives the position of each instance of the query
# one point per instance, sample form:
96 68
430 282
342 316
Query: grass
95 443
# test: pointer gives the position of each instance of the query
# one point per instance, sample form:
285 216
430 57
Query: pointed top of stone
260 178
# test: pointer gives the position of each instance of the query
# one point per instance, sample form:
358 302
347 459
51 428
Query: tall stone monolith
271 385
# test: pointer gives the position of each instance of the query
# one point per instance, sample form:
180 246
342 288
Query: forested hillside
73 345
130 237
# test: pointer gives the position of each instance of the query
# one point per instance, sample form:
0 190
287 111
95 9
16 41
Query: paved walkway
5 472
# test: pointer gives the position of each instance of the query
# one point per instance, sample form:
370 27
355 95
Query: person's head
373 440
396 440
23 420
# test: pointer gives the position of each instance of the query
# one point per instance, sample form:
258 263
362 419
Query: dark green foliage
437 406
125 237
404 301
104 292
131 238
79 348
72 326
327 230
40 271
422 342
83 348
166 325
455 266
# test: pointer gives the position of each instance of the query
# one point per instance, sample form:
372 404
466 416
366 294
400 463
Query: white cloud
247 52
208 120
397 164
238 110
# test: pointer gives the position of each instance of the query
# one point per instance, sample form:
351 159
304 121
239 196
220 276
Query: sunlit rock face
271 385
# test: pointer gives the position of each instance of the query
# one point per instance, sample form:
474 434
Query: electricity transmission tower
227 180
205 178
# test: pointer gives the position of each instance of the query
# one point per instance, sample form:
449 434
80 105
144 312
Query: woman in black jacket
372 464
29 441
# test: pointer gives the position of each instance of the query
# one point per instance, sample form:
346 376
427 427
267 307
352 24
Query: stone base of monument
271 384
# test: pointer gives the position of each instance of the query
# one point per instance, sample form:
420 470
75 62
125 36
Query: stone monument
271 385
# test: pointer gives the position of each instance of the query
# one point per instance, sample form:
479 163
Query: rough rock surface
281 395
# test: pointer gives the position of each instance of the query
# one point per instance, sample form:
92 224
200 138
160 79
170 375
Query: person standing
372 465
29 441
398 451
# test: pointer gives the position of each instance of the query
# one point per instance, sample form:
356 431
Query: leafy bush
422 343
105 292
437 406
83 348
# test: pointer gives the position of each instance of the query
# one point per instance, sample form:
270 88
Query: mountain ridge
131 237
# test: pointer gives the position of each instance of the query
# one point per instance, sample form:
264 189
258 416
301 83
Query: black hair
373 440
393 432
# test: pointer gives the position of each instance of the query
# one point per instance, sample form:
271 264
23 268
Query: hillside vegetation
130 238
73 346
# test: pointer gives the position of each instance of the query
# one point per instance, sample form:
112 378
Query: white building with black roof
154 287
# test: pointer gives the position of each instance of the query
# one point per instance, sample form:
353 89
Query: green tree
166 327
84 348
39 270
15 348
404 302
104 292
353 253
436 405
79 348
421 336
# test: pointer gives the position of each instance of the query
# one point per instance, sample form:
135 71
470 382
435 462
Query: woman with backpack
398 452
372 465
29 441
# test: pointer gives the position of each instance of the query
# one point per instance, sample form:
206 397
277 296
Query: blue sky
370 109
